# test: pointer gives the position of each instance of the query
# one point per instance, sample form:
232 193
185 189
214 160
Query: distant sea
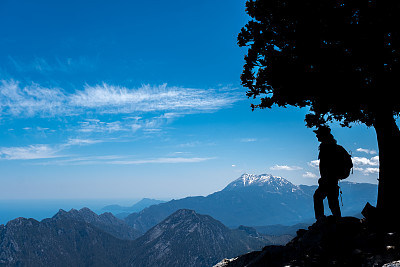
40 209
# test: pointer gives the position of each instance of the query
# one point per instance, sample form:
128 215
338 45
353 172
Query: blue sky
131 99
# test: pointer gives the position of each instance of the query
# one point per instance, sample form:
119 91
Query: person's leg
333 201
319 196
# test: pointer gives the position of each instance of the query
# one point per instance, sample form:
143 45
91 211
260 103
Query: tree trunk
388 136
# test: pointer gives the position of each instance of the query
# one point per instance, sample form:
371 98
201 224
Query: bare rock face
328 242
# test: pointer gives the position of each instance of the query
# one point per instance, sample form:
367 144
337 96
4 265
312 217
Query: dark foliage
339 57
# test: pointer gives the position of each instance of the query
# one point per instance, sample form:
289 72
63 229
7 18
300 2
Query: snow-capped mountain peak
273 183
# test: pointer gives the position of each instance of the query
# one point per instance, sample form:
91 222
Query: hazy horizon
40 209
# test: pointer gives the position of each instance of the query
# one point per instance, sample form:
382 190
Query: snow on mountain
270 182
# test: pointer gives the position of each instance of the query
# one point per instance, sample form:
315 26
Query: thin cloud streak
248 140
82 142
29 152
285 168
160 160
42 151
368 151
121 160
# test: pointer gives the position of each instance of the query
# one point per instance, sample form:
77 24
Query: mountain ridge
189 233
176 233
106 222
267 200
117 210
185 238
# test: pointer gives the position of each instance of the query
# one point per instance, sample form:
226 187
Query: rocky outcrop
345 242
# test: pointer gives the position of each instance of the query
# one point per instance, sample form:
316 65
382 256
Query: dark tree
339 57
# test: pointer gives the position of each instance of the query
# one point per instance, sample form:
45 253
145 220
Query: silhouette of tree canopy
340 58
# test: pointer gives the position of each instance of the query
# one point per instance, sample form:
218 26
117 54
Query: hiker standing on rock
334 164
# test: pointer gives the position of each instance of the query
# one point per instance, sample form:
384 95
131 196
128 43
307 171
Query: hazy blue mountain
186 238
256 200
105 222
140 205
177 235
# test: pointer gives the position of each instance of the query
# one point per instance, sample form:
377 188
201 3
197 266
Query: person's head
324 134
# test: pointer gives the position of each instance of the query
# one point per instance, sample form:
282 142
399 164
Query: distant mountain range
105 222
121 211
185 238
174 233
257 200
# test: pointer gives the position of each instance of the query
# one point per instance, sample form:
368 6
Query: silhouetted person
328 183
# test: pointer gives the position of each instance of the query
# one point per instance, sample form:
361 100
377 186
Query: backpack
344 163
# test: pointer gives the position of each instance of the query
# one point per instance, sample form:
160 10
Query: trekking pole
340 191
351 156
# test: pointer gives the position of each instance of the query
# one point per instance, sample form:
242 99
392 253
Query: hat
323 130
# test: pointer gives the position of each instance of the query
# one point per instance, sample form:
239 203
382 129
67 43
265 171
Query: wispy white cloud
29 152
98 126
80 142
154 124
108 109
42 151
32 100
120 160
159 160
42 65
368 151
248 140
314 163
88 160
366 166
359 161
116 99
371 171
190 144
36 100
54 156
367 171
310 175
285 168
